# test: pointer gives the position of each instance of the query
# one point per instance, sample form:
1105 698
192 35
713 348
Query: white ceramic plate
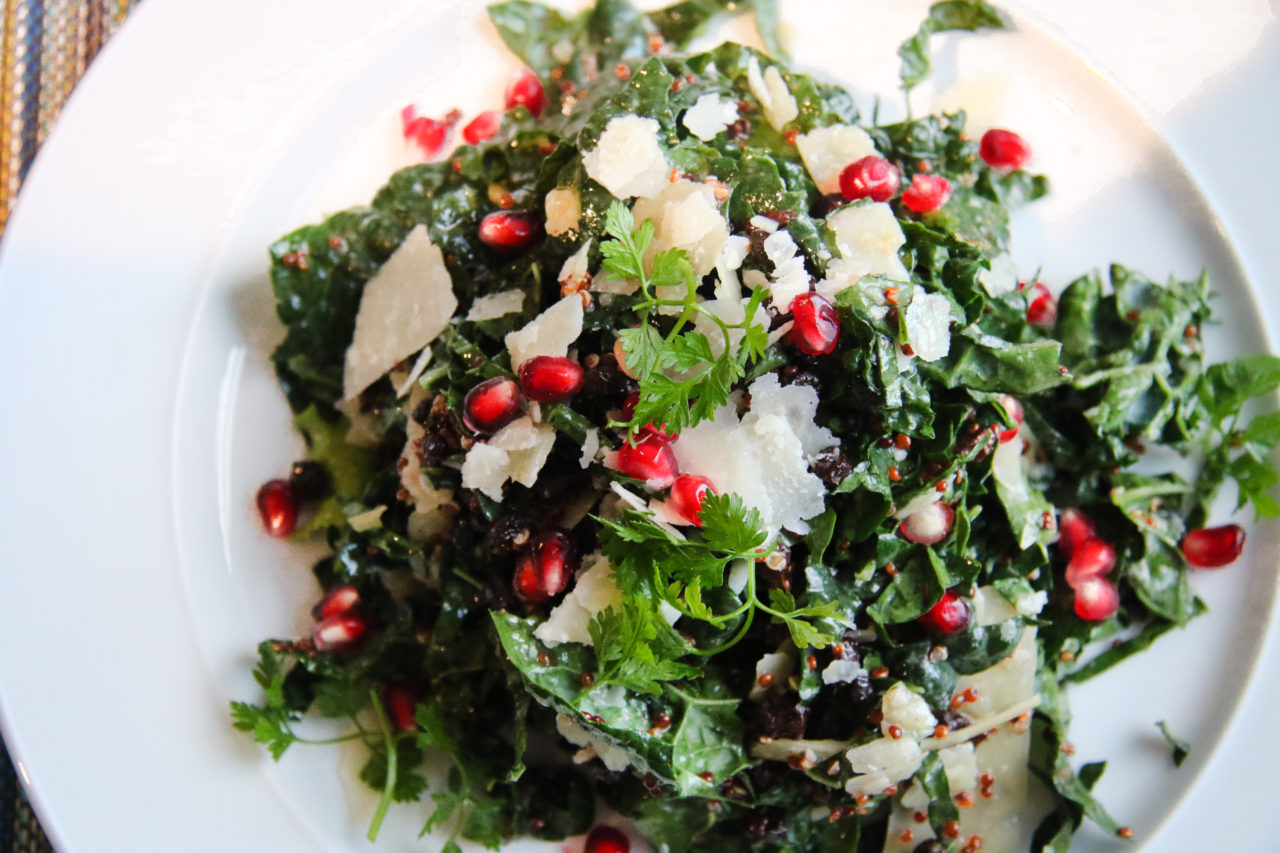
135 324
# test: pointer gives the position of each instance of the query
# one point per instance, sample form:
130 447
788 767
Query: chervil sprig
682 378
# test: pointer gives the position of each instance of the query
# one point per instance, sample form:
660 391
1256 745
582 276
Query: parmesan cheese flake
404 306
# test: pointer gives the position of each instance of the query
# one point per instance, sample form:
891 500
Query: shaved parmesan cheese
868 237
709 116
929 325
574 271
485 470
550 333
685 216
882 762
782 749
1005 691
403 386
771 91
798 405
628 159
563 209
496 305
404 306
735 251
904 708
764 456
1002 277
590 447
764 223
367 520
594 745
778 666
592 593
841 671
826 152
790 278
527 446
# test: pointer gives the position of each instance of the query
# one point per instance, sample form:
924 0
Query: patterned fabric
45 46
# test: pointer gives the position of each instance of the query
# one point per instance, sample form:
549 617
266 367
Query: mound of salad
687 446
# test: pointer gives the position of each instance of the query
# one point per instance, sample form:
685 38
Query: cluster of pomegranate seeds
338 626
526 91
546 378
606 839
816 327
1074 527
871 177
687 494
510 231
1014 409
1042 306
1092 558
1089 560
650 459
927 193
482 127
949 616
1004 150
491 405
543 570
338 633
427 133
928 525
1213 547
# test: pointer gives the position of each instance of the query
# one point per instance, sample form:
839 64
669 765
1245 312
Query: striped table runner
45 46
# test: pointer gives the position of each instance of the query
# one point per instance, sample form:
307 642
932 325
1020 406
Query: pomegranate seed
629 412
926 193
1213 547
1092 558
1042 307
650 459
510 232
482 127
928 525
606 839
401 701
278 507
545 378
871 177
544 569
427 133
491 405
1096 599
1004 149
1074 527
816 328
337 632
339 600
526 91
687 494
948 617
1014 409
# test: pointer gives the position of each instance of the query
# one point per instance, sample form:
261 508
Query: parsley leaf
683 380
636 648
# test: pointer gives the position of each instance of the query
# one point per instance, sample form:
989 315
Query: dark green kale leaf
1180 748
947 15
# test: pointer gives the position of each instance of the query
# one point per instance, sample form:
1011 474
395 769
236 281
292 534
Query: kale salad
694 462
